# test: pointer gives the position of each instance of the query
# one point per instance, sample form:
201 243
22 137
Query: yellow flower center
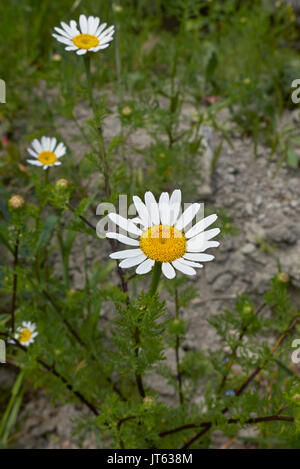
85 41
25 335
163 243
47 157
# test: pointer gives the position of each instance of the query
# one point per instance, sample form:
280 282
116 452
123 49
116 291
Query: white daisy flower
89 35
26 333
161 236
46 152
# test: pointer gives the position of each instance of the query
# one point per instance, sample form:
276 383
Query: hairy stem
51 369
138 376
103 156
155 278
248 380
15 282
234 351
177 346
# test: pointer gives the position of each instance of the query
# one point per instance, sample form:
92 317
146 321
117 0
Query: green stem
47 176
138 376
15 282
103 157
87 64
177 358
64 258
155 278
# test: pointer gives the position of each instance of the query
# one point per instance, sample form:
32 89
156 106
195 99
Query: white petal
187 216
63 40
132 261
185 269
168 270
69 28
73 28
201 226
83 24
198 257
60 153
108 32
164 208
37 146
35 162
106 41
90 24
81 51
137 221
48 145
203 237
103 47
53 143
95 49
210 233
152 208
100 29
190 263
201 247
145 266
60 150
127 225
126 254
44 143
142 211
123 239
63 33
175 205
32 153
95 26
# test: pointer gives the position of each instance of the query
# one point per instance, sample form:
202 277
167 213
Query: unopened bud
126 111
283 277
247 309
56 58
296 398
117 8
148 402
62 184
16 202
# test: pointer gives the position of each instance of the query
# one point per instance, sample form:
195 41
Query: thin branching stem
15 282
235 348
52 369
247 381
177 346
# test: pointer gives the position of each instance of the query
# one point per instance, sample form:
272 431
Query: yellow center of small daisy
25 335
47 157
85 41
163 243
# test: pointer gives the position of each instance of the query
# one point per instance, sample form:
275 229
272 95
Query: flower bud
177 327
283 277
148 402
247 310
56 58
126 111
62 184
117 8
16 202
